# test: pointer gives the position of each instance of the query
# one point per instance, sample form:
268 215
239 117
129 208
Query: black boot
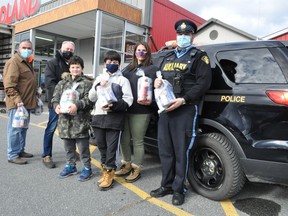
160 192
178 198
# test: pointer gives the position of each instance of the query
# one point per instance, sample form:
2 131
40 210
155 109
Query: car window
250 66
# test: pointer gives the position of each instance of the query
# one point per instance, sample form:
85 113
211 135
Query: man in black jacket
53 71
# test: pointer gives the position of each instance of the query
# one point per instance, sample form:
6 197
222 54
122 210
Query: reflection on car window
229 68
251 66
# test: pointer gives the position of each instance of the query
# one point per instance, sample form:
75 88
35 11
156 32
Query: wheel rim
208 169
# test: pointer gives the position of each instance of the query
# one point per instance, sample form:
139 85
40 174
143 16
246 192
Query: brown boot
48 162
108 181
134 175
125 169
104 173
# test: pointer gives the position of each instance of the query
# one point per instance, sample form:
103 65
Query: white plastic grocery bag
20 119
164 94
144 86
39 109
69 97
105 95
105 92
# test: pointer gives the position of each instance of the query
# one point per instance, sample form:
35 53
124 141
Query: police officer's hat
186 26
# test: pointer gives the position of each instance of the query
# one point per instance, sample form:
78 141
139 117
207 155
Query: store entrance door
39 68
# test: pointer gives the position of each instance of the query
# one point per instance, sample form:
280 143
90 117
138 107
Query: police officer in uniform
188 70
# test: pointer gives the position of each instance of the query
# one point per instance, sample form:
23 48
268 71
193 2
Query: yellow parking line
4 116
31 123
226 204
147 197
45 122
228 208
142 194
37 125
40 125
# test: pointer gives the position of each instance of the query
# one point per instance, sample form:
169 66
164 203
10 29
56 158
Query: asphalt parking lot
33 189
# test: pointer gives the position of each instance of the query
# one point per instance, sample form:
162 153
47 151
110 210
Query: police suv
243 121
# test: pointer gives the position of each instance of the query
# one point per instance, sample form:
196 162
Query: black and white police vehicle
243 121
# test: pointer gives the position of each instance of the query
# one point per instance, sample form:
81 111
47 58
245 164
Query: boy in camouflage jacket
74 124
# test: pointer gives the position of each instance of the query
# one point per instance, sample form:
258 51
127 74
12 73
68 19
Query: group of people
118 122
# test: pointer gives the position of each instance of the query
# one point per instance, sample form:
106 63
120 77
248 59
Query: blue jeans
16 137
49 133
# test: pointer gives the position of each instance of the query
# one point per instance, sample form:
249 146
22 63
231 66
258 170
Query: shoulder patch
193 52
205 59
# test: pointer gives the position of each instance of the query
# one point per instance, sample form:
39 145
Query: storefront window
114 37
130 42
112 32
44 45
20 37
101 60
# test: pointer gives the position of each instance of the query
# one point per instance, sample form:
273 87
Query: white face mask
183 40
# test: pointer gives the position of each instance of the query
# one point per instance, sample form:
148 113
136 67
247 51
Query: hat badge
183 26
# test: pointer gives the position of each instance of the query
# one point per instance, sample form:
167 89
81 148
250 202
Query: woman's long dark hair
147 61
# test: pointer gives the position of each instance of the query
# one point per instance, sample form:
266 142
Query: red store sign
19 10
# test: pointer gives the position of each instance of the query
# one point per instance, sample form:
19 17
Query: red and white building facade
95 26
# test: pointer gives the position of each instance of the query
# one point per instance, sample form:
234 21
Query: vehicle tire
215 171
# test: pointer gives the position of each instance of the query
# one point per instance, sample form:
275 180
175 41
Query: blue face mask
25 53
112 68
183 40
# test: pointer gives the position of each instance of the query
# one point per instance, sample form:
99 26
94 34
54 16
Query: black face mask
67 54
